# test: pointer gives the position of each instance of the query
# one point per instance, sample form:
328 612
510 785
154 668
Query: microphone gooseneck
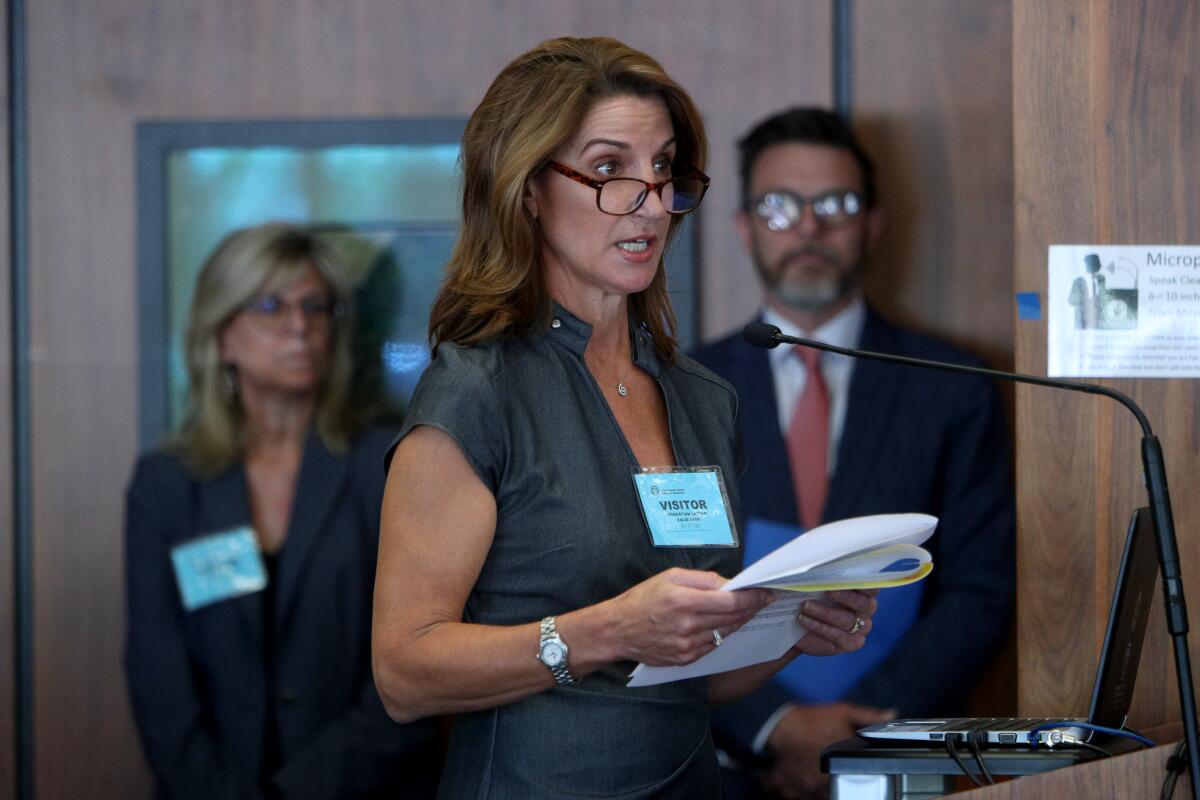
762 334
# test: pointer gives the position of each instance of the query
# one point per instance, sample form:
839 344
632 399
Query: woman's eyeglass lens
782 210
274 312
621 196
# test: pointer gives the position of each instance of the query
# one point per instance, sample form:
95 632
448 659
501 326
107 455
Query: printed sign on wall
1124 311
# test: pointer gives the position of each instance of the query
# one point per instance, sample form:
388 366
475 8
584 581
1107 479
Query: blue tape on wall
1029 306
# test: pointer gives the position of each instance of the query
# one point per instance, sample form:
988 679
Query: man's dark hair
809 126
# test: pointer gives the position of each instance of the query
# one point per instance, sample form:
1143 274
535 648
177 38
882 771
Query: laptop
1113 689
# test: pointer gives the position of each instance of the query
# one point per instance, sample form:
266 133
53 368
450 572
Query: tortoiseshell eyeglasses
621 196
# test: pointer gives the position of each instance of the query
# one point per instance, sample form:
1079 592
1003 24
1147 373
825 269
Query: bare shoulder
438 521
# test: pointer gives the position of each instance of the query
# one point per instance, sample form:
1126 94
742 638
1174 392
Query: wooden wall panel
96 69
1104 113
8 655
932 98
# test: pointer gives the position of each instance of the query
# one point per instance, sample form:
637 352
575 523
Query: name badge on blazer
218 566
685 506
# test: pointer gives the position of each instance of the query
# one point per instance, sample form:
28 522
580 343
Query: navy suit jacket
197 680
914 440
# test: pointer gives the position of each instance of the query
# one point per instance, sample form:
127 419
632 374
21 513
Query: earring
229 383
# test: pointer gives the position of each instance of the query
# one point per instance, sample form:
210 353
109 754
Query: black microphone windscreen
760 334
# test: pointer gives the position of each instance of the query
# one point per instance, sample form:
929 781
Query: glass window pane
391 210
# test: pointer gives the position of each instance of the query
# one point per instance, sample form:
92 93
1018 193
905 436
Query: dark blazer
197 679
914 440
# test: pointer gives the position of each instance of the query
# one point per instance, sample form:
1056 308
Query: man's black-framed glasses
781 210
620 196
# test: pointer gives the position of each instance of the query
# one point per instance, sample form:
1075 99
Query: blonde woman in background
250 549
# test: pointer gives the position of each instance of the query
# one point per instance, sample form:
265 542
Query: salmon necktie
808 440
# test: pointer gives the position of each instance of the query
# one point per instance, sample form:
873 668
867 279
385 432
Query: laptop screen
1127 619
1112 693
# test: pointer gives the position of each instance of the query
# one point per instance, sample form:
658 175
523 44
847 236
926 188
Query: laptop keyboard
992 723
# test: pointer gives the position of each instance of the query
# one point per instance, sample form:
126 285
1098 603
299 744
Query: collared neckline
569 329
573 332
844 329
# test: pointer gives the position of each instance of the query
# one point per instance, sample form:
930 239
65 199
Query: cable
973 743
1035 739
958 760
1094 748
1176 764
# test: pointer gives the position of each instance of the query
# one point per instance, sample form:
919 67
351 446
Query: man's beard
814 294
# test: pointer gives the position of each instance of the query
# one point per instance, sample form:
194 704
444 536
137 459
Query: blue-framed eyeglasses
273 312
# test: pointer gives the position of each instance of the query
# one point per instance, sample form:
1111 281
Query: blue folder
829 679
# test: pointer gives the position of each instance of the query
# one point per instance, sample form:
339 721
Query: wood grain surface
1132 775
932 98
1104 97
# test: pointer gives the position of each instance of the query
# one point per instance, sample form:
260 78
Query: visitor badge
685 507
218 566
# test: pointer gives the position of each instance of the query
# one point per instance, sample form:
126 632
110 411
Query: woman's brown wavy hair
495 285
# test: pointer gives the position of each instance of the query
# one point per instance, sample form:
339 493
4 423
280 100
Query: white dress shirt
790 375
843 330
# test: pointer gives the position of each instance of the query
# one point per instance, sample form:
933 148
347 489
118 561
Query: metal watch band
562 675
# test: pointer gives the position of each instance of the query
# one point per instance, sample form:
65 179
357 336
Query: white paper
1123 311
766 636
834 540
873 565
770 633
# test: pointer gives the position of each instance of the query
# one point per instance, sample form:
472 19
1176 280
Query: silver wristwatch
552 651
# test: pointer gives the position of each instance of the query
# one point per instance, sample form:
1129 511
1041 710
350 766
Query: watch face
552 654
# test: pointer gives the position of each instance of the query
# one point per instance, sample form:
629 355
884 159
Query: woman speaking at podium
518 581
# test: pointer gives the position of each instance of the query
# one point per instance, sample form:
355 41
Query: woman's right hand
669 619
428 661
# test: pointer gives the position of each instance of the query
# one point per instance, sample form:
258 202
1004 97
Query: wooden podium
860 769
1133 775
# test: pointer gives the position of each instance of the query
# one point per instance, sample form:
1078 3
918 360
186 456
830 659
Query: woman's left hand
837 624
829 622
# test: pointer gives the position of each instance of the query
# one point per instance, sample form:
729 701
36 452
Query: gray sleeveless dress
569 533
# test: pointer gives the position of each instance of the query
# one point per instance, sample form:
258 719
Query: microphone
762 334
765 335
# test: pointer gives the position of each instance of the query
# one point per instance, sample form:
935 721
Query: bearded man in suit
828 437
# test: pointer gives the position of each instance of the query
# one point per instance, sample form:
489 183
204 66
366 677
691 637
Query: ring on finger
718 639
857 626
